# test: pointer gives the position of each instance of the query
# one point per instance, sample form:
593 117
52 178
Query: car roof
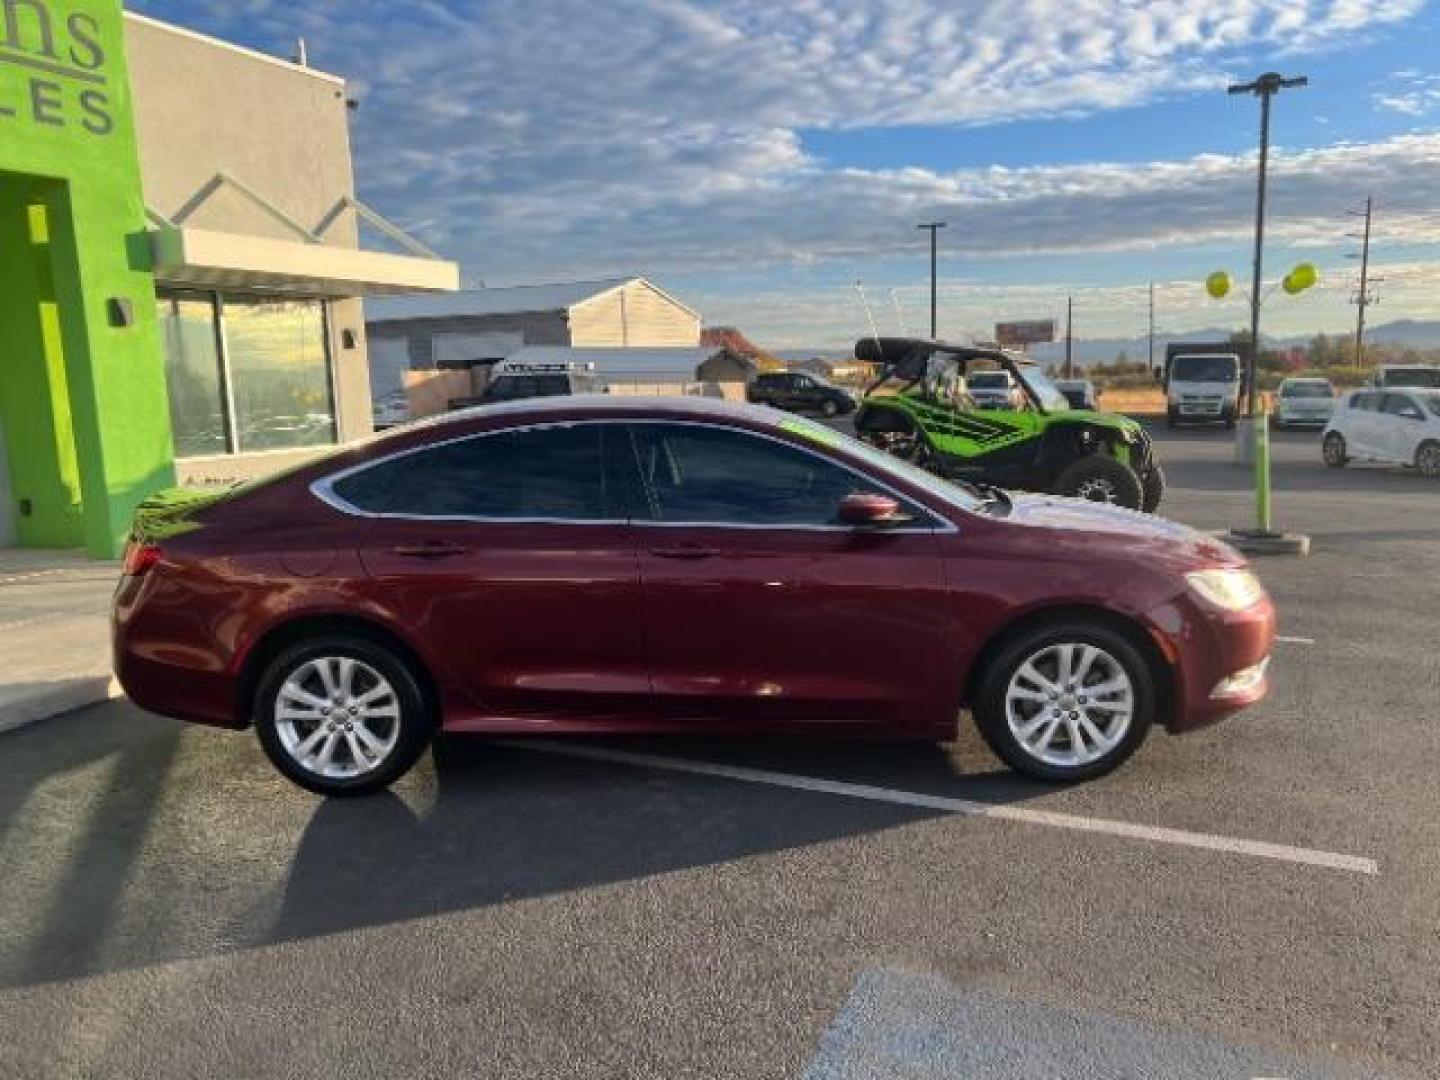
601 405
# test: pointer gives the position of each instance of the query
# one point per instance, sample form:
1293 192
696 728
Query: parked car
513 380
1396 427
1424 376
392 409
993 390
800 391
1080 393
594 565
1303 401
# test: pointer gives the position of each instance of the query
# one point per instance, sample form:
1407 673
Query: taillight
140 557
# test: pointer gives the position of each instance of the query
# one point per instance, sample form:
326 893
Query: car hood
1056 520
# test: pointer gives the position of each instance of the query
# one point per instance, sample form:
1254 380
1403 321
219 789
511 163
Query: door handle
688 551
429 551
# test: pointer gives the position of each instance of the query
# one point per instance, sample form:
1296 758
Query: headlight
1233 590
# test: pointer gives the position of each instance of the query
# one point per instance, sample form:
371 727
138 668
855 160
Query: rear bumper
160 666
1220 659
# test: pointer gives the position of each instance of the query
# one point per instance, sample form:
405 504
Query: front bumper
1220 659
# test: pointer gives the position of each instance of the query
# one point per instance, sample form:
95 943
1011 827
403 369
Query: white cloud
568 137
1410 93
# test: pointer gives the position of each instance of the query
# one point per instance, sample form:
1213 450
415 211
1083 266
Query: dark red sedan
611 565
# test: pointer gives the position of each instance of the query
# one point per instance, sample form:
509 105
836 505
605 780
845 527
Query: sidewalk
54 633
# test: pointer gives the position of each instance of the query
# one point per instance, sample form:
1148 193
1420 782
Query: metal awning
204 258
218 260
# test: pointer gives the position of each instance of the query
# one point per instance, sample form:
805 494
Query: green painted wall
83 401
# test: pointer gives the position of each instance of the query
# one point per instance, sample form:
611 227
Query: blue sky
759 158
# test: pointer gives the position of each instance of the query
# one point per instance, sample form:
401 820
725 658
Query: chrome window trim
323 489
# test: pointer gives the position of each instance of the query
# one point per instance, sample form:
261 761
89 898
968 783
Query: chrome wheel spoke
1094 718
360 711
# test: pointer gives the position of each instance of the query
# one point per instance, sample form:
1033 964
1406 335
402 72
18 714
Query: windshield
886 464
1307 390
1051 399
1222 369
988 380
1425 377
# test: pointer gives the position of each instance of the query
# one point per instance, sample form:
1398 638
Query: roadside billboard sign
1029 332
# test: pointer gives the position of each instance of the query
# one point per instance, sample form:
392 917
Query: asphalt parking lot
1257 899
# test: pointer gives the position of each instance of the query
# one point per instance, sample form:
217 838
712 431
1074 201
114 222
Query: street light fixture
1265 87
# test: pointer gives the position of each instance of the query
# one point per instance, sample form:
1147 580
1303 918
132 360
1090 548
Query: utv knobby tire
1152 489
1099 478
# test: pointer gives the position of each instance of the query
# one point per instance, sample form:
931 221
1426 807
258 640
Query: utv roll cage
908 361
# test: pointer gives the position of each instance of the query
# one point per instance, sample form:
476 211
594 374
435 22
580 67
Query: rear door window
548 473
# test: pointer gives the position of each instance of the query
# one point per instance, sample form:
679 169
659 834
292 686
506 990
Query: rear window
538 473
1307 390
514 387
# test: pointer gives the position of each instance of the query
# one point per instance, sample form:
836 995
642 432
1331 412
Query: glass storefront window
280 373
192 370
246 374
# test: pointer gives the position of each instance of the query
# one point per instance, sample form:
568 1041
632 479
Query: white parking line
1294 640
1259 849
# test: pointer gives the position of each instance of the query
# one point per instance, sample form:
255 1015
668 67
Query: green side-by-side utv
918 409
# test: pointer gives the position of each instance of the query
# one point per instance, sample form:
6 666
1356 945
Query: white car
1300 401
992 390
1396 427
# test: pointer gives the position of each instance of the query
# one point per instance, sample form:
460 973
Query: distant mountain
1417 333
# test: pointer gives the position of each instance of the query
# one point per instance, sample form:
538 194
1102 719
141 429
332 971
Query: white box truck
1202 383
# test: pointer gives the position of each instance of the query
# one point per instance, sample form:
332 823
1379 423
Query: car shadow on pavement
509 823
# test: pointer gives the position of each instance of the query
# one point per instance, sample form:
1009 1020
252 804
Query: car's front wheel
1066 703
341 715
1333 450
1427 459
1100 478
828 408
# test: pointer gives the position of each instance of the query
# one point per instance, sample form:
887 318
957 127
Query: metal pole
1152 327
1364 297
1069 337
1253 361
934 228
1262 474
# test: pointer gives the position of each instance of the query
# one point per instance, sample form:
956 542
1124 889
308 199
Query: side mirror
870 510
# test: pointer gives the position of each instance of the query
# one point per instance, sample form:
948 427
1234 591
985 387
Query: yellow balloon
1301 278
1218 285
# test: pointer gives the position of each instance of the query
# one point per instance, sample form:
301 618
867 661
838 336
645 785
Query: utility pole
1152 327
1069 337
1265 88
1362 298
934 227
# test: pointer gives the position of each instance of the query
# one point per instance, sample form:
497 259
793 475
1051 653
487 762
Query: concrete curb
1254 542
53 699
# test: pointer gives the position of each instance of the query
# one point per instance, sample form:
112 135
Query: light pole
934 227
1265 87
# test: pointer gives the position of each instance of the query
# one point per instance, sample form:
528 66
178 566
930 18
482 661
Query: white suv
1397 427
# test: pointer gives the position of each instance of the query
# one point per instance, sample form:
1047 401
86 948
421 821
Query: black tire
1427 459
1100 478
1152 489
991 710
1229 418
1172 418
1333 450
414 724
829 409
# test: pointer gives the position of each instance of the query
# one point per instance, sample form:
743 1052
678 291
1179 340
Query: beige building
482 326
248 183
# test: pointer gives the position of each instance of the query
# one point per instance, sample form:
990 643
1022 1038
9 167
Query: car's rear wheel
1427 459
1100 478
1066 703
1333 450
1152 489
341 715
828 408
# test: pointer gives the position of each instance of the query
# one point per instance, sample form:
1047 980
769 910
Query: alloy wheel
1428 460
1069 704
1098 489
337 717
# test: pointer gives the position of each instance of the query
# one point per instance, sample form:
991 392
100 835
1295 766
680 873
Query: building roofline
254 54
637 280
